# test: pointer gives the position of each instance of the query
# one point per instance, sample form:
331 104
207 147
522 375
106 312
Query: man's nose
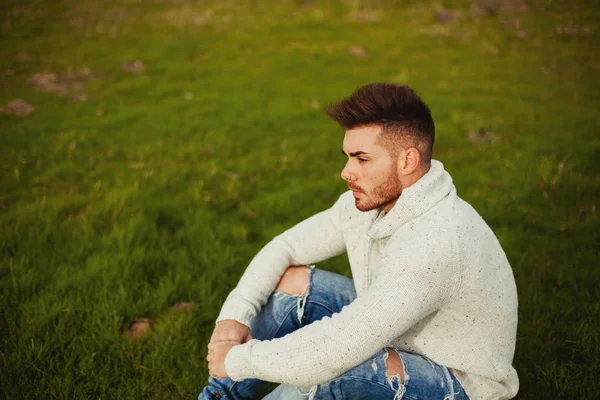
347 174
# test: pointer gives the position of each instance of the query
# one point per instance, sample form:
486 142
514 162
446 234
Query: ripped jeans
327 294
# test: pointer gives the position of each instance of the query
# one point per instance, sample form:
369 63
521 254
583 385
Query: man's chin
364 207
369 206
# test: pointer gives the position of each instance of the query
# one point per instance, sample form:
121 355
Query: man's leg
303 295
389 375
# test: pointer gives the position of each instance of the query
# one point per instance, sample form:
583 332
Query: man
431 312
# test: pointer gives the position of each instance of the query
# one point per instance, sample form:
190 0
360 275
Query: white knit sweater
430 277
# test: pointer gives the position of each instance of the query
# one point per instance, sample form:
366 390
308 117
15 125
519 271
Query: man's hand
216 358
229 330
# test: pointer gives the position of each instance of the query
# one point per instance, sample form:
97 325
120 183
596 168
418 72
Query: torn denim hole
374 366
301 299
300 304
311 392
396 378
401 388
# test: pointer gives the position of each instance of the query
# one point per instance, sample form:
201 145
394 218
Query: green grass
221 143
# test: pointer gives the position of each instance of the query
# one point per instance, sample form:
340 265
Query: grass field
132 187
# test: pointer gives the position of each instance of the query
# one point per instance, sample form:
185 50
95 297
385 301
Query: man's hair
397 109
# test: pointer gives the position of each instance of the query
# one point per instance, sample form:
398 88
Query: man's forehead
363 139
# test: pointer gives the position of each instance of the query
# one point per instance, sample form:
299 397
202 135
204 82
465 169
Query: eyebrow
355 153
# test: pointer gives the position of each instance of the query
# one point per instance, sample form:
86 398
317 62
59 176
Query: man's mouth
354 189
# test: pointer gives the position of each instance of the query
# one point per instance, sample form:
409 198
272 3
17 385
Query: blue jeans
328 293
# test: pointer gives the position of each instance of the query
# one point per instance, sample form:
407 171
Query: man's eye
362 160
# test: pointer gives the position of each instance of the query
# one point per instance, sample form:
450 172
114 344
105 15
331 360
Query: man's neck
408 181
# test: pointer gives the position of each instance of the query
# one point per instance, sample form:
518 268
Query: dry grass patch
69 85
18 108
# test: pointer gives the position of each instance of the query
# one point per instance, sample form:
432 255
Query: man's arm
406 291
312 240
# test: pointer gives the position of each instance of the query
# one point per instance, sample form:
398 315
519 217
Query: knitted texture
430 276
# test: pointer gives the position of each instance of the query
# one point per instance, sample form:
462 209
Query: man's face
371 172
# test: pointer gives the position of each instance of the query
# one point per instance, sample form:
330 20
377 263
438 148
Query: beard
387 192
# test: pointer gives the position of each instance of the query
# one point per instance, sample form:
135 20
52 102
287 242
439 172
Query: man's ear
409 160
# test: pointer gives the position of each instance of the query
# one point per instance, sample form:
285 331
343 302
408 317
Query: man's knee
295 280
394 365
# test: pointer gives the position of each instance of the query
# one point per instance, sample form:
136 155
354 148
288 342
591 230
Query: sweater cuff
237 361
238 311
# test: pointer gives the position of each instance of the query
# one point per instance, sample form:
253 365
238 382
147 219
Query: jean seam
362 378
451 395
287 313
272 333
322 305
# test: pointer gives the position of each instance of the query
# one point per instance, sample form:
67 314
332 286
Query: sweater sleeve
311 241
411 286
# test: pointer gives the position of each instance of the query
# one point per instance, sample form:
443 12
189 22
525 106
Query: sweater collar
414 201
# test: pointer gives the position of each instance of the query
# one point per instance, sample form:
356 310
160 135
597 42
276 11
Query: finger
218 376
214 345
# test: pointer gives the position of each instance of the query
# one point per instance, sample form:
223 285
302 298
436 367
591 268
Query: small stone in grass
446 16
481 136
139 329
183 307
18 107
357 51
135 66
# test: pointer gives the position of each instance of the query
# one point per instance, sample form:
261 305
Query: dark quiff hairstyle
397 109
